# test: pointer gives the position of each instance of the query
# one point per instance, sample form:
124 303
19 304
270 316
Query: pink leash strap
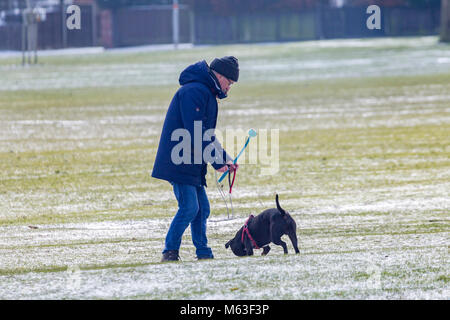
231 183
246 231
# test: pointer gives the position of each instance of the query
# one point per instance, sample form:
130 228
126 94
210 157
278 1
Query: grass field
364 169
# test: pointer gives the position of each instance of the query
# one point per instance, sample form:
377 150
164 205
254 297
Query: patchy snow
54 52
376 228
259 65
380 274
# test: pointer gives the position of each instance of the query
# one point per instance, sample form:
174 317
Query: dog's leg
266 250
248 246
275 234
293 237
280 242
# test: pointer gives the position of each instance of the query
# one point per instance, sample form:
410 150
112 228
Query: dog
266 227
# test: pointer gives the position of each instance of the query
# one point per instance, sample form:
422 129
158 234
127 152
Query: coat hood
200 72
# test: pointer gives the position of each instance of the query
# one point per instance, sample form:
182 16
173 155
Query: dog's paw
266 250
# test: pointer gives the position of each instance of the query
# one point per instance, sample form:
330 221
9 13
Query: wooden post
63 24
192 25
106 28
94 14
445 20
24 39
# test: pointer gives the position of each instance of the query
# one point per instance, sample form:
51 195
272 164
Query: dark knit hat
227 66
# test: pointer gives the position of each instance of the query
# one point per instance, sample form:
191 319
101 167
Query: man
193 109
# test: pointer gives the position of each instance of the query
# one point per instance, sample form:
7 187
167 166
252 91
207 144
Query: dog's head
236 246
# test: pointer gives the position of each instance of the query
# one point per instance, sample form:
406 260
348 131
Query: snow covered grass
364 170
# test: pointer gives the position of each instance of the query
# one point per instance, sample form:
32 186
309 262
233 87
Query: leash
231 183
247 232
251 134
222 193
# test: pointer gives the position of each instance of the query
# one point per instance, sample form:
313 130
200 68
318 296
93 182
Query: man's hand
229 166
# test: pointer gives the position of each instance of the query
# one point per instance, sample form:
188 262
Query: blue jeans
193 209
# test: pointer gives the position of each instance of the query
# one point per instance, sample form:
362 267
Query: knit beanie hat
227 66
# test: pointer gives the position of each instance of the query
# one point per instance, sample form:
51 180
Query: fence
324 23
153 25
148 25
50 31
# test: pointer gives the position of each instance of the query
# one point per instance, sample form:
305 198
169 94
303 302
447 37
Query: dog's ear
282 211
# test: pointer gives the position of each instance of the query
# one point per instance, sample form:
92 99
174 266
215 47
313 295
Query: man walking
194 108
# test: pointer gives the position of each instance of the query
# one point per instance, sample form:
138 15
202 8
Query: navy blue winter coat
195 100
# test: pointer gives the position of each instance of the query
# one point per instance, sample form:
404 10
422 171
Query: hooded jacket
192 113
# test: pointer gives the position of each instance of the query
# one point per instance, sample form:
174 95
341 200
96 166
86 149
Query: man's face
225 83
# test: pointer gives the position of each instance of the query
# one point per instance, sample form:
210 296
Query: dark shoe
171 255
205 257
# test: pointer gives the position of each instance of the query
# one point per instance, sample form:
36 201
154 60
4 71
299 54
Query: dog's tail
282 211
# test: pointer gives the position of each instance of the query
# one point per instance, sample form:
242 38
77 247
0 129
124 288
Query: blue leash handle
235 160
